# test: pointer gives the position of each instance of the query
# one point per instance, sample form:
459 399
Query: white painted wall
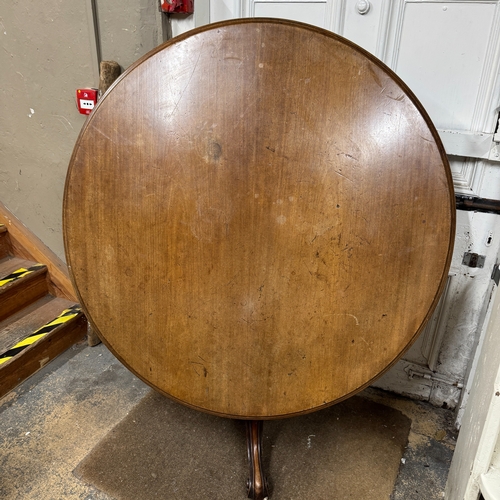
181 24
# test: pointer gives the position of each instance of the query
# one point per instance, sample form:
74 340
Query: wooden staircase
39 316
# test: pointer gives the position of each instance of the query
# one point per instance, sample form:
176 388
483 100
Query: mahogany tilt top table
258 218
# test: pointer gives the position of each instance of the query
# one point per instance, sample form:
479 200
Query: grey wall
47 54
128 29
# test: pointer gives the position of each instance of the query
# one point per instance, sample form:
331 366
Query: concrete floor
55 419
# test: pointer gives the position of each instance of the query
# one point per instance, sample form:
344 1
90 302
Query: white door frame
475 466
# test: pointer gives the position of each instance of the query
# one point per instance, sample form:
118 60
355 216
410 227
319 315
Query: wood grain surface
258 218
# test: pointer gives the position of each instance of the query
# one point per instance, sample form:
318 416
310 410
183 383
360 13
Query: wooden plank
17 294
26 244
14 329
39 354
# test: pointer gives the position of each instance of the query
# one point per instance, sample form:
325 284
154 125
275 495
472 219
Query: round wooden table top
258 218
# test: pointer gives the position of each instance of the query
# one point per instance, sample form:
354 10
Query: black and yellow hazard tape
19 274
65 316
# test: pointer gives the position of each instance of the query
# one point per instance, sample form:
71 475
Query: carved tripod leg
257 483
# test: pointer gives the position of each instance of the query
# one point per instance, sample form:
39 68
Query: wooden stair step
25 310
21 283
37 337
5 247
22 324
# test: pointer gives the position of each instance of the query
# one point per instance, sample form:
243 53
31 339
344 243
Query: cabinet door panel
441 53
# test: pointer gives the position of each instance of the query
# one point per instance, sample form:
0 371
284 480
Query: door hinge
434 377
495 275
473 260
475 204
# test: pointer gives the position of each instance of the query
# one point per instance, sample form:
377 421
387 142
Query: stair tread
21 283
33 328
9 265
12 332
42 346
24 311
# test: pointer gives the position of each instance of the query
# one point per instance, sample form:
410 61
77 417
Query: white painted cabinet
448 53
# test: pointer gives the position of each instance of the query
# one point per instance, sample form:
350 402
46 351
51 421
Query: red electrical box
86 99
177 6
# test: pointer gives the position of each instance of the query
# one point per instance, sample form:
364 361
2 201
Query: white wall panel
441 54
363 29
306 12
221 10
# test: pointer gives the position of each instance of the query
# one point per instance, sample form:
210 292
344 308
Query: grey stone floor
54 419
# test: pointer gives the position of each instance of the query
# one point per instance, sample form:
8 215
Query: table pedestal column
257 482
